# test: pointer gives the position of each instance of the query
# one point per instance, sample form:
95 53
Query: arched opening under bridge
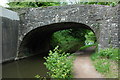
37 41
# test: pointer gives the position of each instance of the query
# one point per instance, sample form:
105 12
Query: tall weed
59 64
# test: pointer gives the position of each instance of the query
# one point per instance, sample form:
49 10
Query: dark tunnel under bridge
37 41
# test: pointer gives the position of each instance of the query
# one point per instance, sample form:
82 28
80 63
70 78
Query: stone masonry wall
9 23
102 19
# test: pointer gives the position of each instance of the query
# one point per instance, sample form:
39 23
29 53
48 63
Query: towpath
83 67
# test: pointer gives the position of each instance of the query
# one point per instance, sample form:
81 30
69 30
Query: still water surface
25 68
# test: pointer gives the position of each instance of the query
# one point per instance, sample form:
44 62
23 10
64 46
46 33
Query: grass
108 68
106 62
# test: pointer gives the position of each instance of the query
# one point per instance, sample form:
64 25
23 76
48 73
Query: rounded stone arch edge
51 24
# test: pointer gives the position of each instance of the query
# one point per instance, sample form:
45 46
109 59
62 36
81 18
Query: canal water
34 65
25 68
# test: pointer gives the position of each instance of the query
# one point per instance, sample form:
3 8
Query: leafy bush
109 53
102 59
59 64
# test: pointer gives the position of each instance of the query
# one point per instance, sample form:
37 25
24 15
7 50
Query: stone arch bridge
36 25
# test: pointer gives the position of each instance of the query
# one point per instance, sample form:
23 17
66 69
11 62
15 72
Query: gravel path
83 67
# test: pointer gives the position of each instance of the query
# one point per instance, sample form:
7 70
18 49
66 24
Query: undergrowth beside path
106 62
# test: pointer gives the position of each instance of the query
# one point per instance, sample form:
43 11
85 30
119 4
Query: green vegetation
100 3
59 64
87 46
40 78
109 53
90 38
44 4
69 40
106 62
102 66
33 4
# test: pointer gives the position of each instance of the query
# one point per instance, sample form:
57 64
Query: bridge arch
103 20
37 40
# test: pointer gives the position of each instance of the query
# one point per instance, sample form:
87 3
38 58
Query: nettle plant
59 64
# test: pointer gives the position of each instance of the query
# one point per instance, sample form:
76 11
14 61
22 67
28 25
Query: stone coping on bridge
9 14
